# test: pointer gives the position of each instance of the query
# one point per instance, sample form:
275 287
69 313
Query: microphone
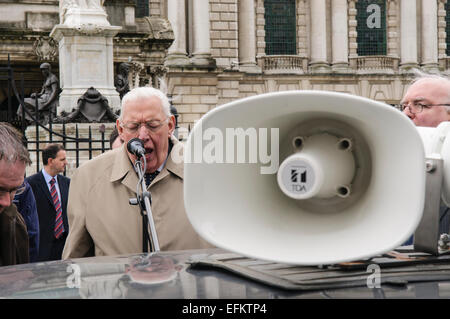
136 146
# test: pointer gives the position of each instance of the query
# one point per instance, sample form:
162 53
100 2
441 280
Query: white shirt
48 178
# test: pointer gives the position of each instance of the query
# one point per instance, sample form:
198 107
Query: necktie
149 177
59 227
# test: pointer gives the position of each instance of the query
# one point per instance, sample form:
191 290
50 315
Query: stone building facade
326 54
206 53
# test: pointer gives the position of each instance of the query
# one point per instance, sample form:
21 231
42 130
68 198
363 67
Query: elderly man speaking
101 220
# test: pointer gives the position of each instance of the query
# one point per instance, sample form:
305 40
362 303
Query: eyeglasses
152 126
16 191
417 107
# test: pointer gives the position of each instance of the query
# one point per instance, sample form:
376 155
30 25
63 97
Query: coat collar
174 163
123 168
13 237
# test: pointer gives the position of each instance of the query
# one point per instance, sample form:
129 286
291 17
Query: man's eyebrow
420 99
417 99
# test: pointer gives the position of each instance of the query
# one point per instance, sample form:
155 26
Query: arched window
371 27
280 27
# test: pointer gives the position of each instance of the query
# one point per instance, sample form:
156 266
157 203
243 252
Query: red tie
59 227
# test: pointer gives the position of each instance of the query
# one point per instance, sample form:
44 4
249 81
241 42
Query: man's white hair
141 93
420 75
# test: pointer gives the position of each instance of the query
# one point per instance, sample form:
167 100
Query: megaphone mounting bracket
426 236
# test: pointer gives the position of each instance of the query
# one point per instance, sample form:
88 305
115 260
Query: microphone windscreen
136 146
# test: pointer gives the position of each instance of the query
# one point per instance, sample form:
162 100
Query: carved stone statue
121 81
45 48
92 106
46 100
82 4
95 4
135 77
66 5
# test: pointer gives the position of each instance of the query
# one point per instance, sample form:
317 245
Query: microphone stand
144 201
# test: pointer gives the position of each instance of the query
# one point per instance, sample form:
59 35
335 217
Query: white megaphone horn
350 183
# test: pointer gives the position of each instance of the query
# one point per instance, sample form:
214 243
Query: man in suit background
51 192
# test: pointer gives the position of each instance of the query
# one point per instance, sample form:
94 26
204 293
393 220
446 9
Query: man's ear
119 129
171 125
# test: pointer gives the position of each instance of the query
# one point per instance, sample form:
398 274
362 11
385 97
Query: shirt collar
48 177
163 164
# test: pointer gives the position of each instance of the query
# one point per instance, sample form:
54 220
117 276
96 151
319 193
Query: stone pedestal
177 60
85 57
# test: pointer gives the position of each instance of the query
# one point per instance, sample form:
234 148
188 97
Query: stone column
339 37
442 41
247 37
408 31
319 62
176 13
430 36
202 40
352 35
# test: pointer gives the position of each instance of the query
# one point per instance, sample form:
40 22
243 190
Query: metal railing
376 63
283 64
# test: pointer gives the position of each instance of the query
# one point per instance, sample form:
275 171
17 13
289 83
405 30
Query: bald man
427 101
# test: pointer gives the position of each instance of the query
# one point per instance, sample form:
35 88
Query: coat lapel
44 188
172 166
123 170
